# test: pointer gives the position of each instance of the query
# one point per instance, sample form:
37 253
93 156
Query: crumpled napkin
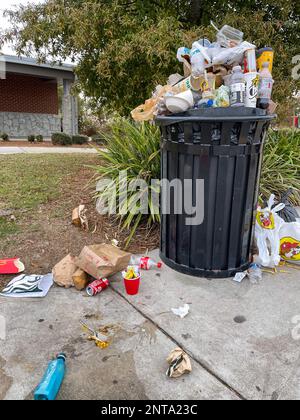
182 312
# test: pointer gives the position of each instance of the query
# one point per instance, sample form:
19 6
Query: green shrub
61 139
78 139
39 138
134 148
31 138
5 137
281 164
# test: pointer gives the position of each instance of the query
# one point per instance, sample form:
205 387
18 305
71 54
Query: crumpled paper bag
79 217
63 272
179 362
102 260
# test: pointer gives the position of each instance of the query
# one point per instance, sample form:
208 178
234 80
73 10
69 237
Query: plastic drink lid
265 49
159 265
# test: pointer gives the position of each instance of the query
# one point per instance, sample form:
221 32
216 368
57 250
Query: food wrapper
132 272
147 111
179 362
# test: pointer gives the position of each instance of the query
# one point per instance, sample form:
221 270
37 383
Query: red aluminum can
97 286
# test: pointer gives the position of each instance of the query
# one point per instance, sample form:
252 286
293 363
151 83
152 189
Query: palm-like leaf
134 148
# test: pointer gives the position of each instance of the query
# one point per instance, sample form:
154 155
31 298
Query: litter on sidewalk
63 272
50 385
179 362
144 263
103 336
97 287
182 312
101 261
239 277
132 280
80 279
28 286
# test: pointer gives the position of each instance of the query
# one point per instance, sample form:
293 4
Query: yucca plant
134 148
281 164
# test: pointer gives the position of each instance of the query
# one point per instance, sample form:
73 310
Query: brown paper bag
63 272
79 217
102 260
179 363
80 279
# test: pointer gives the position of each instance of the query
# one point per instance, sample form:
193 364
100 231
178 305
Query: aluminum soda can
97 286
251 81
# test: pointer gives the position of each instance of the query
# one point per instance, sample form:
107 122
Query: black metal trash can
223 147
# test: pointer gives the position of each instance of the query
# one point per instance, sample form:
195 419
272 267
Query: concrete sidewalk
240 333
45 150
239 338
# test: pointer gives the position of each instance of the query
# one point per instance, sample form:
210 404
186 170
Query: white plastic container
180 103
229 37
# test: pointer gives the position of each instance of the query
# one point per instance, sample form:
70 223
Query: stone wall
21 125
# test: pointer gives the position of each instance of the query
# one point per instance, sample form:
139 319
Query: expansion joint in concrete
201 363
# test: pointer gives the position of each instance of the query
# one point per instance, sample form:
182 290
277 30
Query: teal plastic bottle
52 380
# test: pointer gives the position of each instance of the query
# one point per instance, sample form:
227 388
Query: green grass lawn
28 181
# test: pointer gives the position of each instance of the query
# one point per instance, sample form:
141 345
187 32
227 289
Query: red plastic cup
132 286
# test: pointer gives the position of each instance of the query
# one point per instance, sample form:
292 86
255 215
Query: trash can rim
179 119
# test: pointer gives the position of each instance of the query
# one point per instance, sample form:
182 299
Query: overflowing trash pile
230 72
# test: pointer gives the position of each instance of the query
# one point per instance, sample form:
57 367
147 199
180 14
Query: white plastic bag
268 225
229 56
290 242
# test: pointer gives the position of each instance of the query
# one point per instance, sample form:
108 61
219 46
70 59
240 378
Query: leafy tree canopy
125 47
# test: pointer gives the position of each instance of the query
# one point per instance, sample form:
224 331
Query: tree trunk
196 12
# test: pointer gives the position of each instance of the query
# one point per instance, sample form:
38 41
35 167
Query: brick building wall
28 94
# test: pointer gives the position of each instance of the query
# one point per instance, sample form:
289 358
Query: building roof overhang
30 66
